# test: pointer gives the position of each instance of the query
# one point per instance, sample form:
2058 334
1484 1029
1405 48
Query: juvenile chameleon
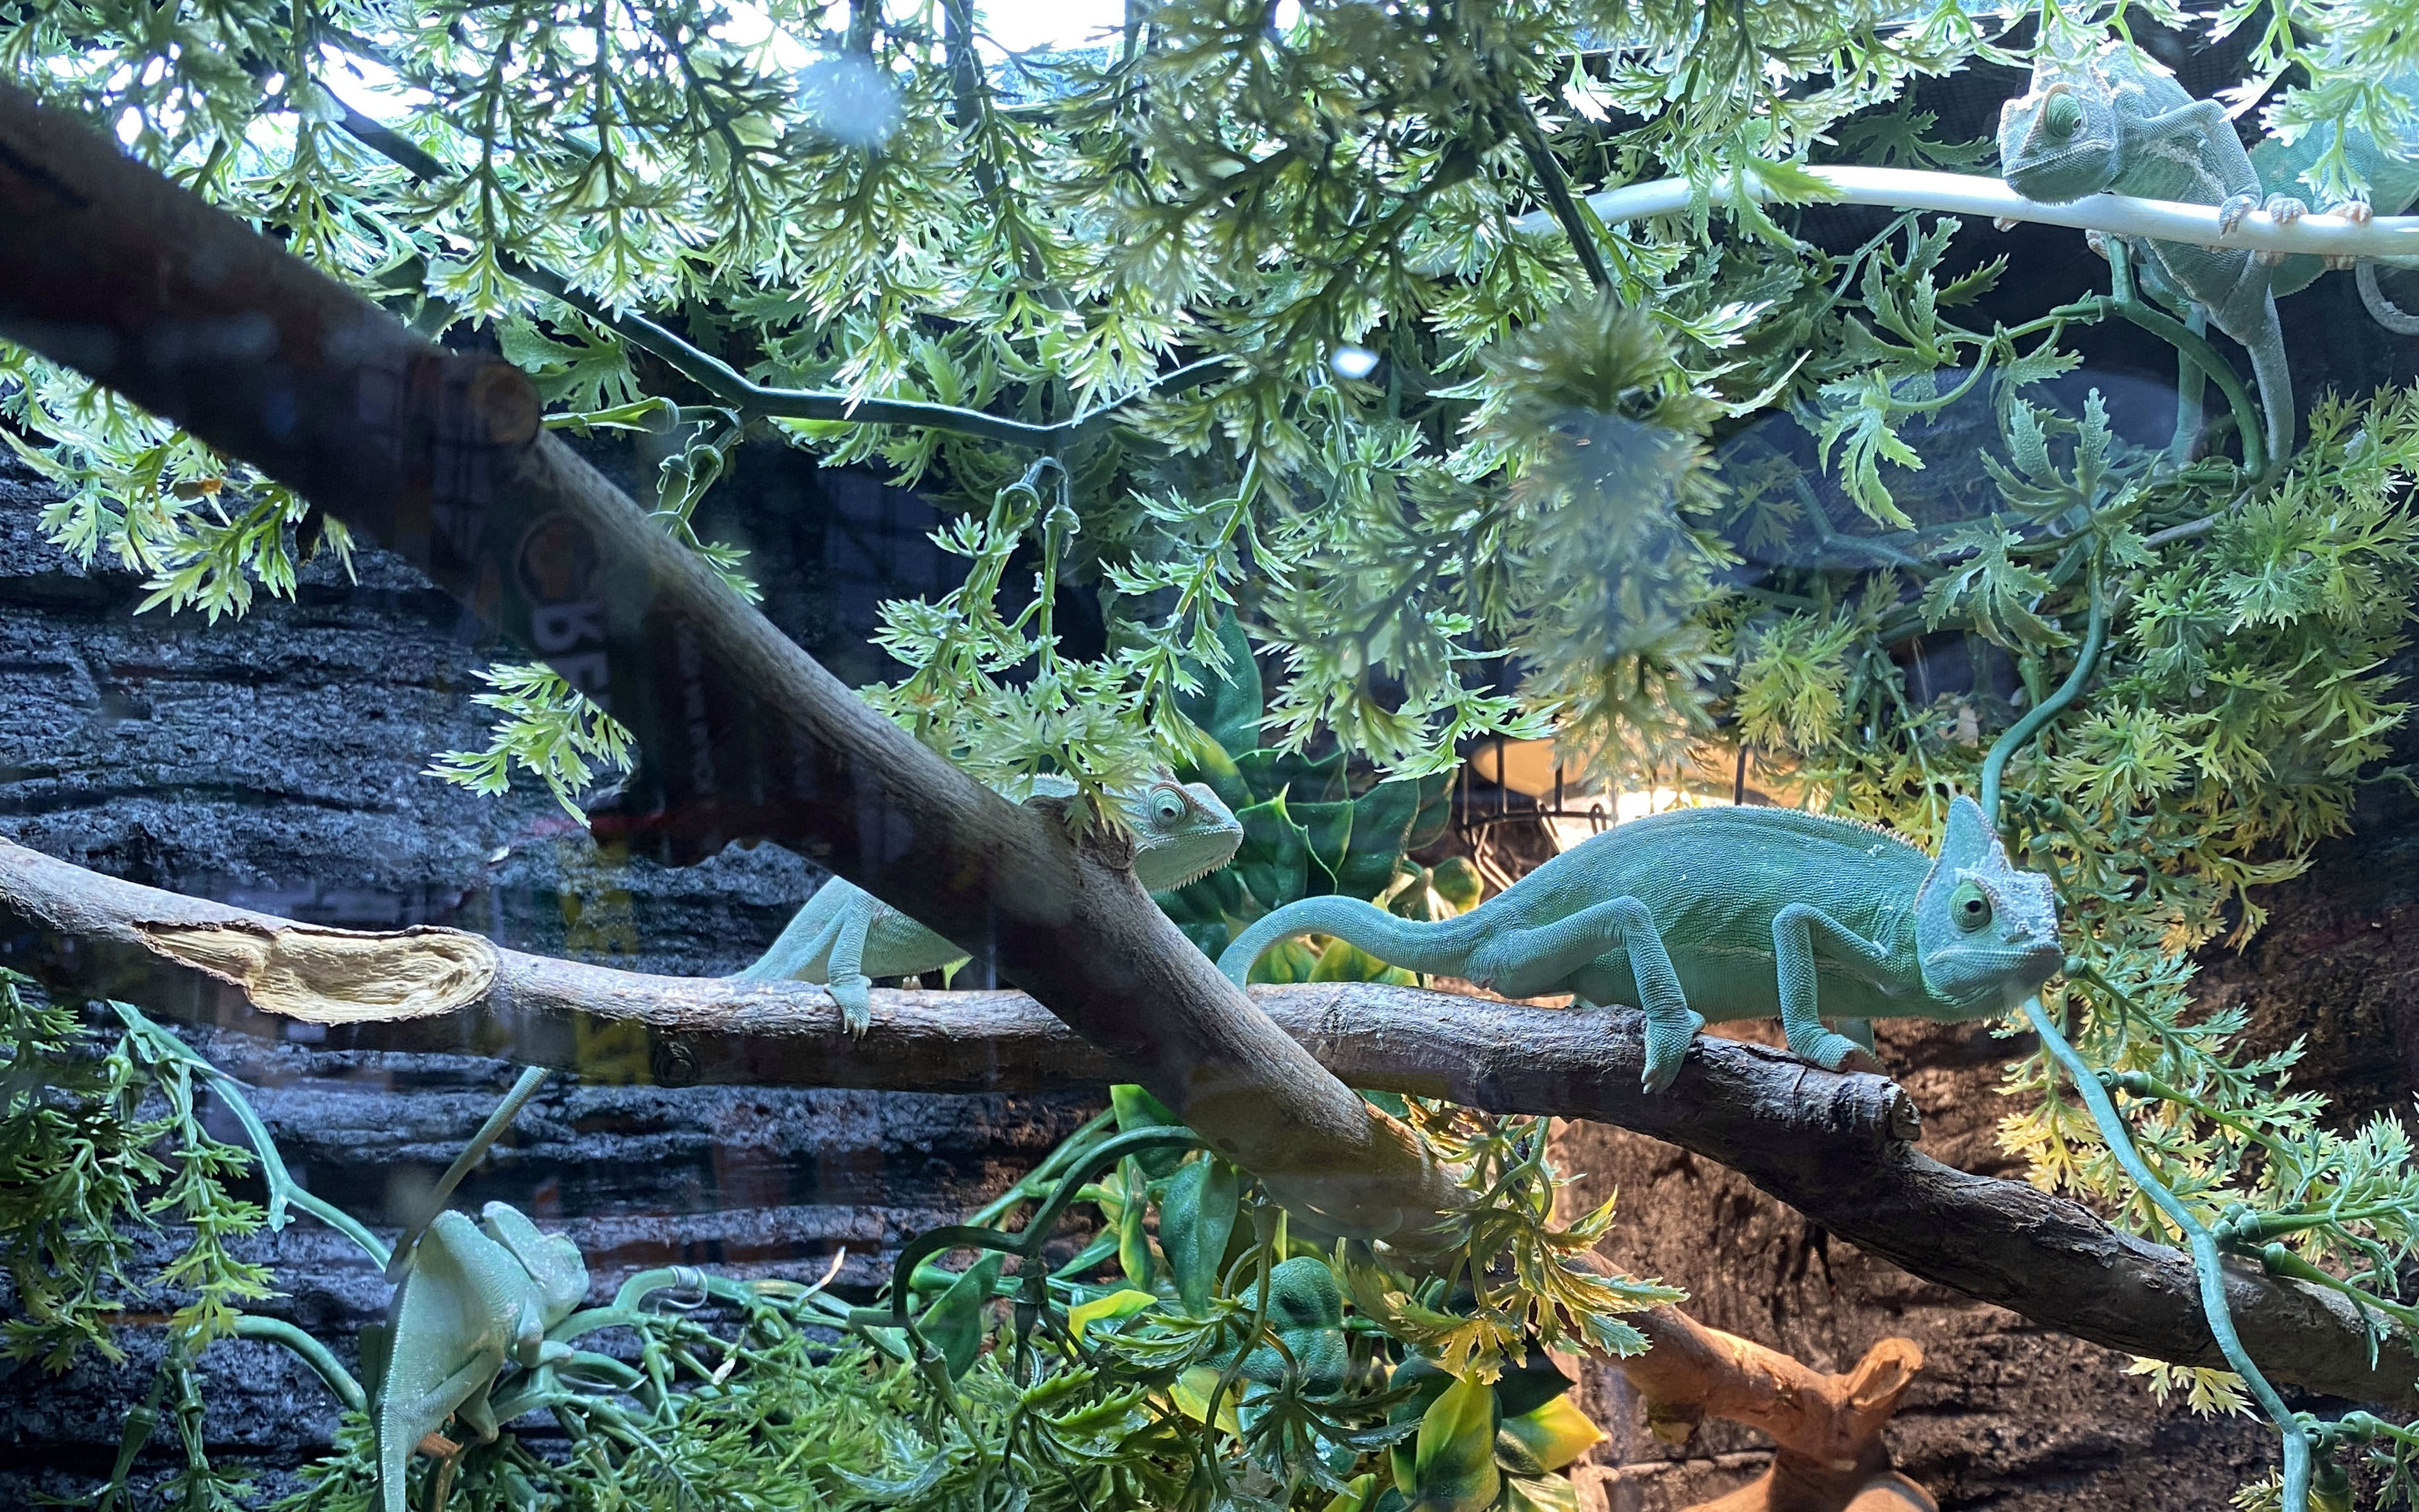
2114 120
844 937
1746 912
468 1302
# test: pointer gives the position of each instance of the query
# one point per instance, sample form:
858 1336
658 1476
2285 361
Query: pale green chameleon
468 1302
1742 912
2115 121
2393 184
844 937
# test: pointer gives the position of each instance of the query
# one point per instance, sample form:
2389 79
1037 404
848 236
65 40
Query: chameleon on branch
1744 912
468 1302
844 937
2114 121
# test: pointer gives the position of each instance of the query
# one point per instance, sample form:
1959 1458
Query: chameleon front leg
1542 959
1795 930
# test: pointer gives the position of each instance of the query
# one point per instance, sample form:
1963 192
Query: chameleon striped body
1736 913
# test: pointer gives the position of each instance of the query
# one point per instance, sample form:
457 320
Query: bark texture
1834 1147
108 267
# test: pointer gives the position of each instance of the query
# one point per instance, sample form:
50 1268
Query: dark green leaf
1197 1218
954 1324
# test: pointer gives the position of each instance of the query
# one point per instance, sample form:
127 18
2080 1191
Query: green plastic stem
314 1353
2095 637
2103 1110
2204 1252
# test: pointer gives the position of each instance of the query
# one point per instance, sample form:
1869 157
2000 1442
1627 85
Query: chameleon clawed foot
855 997
2284 210
2096 240
1668 1038
2359 212
1833 1052
2230 213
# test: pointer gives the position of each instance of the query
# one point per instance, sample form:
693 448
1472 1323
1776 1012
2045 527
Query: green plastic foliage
1305 1312
1136 1108
1358 1495
1110 1307
1545 1438
953 1324
1449 1465
1196 1219
1305 832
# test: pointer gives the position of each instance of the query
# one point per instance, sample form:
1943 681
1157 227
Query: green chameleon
2392 179
2115 121
1745 911
468 1302
844 937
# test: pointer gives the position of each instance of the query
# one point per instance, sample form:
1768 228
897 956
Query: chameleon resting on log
844 937
1743 912
2115 121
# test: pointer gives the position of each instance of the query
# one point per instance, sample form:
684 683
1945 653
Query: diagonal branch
1836 1147
109 268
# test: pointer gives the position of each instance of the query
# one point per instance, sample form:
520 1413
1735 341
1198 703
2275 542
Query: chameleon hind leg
1795 930
1542 959
851 988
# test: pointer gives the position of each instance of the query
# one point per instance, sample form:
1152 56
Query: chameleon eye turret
2061 115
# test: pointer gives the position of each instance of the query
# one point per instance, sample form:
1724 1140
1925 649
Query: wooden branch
109 268
1827 1429
1834 1147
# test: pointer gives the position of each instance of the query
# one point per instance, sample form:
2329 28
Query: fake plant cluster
1195 1353
1305 833
1251 285
2196 684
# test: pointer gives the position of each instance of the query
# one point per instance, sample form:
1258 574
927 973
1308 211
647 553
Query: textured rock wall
275 762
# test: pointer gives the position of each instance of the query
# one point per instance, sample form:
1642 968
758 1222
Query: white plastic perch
1908 189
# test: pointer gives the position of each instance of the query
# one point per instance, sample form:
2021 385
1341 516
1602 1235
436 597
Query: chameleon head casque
1983 930
1181 832
2059 140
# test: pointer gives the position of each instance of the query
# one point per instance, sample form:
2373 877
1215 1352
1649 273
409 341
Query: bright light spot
130 125
848 99
1284 15
1353 362
1627 806
1020 25
746 25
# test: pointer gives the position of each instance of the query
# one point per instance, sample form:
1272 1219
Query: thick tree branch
1836 1148
109 268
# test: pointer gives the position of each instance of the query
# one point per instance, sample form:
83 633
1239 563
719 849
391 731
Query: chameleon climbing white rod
2385 237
